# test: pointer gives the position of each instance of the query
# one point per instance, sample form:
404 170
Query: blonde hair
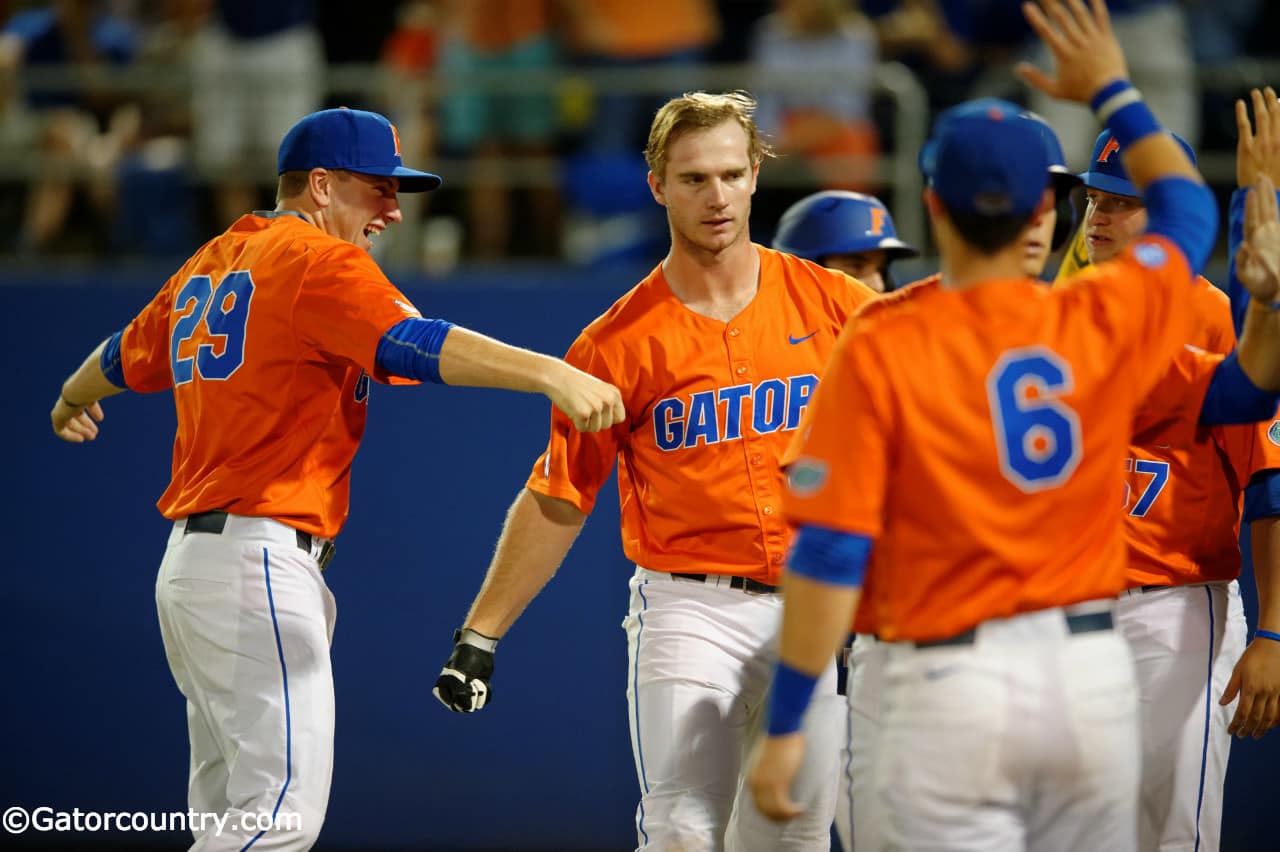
291 184
700 111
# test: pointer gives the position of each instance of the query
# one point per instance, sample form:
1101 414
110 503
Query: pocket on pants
944 719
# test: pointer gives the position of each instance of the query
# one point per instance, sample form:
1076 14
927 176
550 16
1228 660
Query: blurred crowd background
139 128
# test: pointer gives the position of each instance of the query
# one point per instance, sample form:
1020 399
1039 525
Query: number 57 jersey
978 436
268 337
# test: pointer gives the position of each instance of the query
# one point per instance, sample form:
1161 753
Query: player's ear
755 175
932 203
320 184
655 187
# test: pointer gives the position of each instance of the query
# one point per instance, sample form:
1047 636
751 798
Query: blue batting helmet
1107 173
839 222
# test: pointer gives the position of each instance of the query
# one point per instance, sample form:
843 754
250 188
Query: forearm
474 360
815 621
535 539
89 383
1259 347
1264 535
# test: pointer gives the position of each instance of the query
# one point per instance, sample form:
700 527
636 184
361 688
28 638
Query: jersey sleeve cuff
110 361
829 556
1233 398
1262 496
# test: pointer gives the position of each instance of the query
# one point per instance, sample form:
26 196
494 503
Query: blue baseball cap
839 222
987 157
1107 173
353 140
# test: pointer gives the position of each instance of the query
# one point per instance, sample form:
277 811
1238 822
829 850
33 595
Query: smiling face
360 207
706 187
1111 222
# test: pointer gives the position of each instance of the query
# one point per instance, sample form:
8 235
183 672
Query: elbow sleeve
411 349
1183 211
1232 398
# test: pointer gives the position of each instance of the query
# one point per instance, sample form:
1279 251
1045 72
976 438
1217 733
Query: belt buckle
326 553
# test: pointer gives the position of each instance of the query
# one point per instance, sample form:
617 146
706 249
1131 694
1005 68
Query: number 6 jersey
268 338
978 436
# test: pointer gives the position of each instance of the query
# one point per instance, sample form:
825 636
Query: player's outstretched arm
472 359
1257 267
1256 677
535 539
77 412
1257 154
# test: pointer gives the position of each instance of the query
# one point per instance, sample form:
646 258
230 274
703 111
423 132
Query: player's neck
718 284
963 267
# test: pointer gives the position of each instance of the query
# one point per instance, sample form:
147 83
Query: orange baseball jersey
1185 481
710 408
977 436
268 337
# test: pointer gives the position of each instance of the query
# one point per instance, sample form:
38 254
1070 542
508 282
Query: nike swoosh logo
794 340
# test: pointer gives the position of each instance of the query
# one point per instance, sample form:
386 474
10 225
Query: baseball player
1010 716
844 230
268 337
1182 613
856 812
717 352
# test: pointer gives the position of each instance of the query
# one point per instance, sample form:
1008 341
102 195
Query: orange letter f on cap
1107 150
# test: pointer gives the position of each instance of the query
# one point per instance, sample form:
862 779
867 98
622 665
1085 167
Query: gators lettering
712 416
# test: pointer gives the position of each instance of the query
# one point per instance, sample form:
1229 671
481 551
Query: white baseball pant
247 620
857 815
1186 640
700 657
1025 739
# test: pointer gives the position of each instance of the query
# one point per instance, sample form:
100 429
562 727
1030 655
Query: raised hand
1258 258
1084 48
1258 149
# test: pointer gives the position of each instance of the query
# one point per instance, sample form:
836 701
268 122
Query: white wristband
1117 102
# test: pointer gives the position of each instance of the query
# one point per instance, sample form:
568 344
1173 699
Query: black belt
1085 623
751 587
215 522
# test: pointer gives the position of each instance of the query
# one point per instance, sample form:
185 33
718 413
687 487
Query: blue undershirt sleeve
829 556
1262 496
1183 211
110 362
411 349
1232 398
1235 236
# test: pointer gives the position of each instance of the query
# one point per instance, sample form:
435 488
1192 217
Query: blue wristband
788 699
1267 634
1120 107
1108 92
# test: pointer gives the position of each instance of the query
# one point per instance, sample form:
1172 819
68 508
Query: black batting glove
463 685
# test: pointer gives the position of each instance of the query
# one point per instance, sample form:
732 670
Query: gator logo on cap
1273 434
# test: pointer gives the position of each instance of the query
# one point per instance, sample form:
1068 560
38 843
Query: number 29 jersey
978 437
268 337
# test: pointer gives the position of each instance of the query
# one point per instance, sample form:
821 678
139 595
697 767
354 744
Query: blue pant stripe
1208 712
288 723
635 690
